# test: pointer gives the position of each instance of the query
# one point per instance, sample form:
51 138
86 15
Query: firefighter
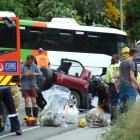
7 99
42 60
112 78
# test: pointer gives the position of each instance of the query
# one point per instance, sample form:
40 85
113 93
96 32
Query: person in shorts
29 72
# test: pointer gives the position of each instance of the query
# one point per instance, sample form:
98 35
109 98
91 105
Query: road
71 132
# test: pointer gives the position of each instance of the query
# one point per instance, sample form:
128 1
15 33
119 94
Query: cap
40 50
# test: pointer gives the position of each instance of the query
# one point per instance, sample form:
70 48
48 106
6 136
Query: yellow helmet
125 50
83 122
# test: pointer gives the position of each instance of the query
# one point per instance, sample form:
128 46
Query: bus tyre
44 82
74 99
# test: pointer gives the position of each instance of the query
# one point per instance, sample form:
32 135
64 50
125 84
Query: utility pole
121 15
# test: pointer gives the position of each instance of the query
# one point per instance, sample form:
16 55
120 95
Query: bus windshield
7 38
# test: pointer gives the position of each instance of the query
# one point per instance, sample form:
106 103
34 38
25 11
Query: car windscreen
7 38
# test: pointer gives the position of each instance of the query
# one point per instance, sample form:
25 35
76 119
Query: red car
71 74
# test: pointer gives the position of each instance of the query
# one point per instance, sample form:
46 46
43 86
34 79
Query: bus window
93 42
80 41
31 38
7 39
66 40
101 43
51 39
120 45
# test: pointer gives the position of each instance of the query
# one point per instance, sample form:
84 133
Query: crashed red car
71 74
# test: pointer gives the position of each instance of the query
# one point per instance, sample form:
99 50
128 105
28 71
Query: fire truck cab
9 48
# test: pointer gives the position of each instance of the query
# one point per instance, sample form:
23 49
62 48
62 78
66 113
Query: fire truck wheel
44 82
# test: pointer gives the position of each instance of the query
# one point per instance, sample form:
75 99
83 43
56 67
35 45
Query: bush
127 126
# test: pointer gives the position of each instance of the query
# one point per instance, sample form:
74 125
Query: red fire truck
9 48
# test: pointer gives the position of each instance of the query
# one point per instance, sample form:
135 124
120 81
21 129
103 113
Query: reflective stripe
12 84
12 115
1 77
6 80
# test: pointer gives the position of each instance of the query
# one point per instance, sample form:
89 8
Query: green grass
127 126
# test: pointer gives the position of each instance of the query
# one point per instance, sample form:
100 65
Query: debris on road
71 114
95 118
30 121
53 113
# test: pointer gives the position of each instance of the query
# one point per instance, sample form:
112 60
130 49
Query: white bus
64 38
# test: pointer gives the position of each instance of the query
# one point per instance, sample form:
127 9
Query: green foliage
56 8
132 8
100 19
86 12
91 9
127 127
112 13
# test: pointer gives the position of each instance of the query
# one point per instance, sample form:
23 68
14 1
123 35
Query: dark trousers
113 98
113 95
7 98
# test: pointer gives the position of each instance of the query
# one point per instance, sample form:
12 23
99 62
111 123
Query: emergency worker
111 80
28 85
7 99
42 60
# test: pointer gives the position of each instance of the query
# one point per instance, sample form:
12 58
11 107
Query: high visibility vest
138 78
42 61
112 73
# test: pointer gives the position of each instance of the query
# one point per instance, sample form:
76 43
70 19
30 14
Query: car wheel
44 82
74 99
41 101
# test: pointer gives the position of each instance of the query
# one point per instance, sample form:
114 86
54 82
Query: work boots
28 111
35 112
15 125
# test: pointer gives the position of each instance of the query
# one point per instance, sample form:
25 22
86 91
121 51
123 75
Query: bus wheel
74 99
44 82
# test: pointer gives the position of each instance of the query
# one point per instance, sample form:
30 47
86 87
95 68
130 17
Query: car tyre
74 99
44 82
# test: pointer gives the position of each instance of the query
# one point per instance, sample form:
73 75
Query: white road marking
11 134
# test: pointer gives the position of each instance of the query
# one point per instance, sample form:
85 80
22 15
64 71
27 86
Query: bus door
9 50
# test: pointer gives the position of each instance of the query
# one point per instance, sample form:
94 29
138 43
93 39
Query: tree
56 8
133 18
88 9
100 19
112 13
